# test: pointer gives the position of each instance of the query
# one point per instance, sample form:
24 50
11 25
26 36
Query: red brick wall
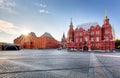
39 42
98 38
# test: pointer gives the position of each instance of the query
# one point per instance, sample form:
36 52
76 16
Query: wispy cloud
1 1
43 11
7 27
41 5
7 5
42 8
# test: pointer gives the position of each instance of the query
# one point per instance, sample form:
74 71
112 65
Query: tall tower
63 41
70 36
63 38
107 35
107 29
106 20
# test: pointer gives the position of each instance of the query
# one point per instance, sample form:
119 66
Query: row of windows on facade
92 39
92 33
98 45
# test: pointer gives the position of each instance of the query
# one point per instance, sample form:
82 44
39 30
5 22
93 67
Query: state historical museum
91 36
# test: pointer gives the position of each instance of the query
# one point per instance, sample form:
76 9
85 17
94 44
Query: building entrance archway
85 48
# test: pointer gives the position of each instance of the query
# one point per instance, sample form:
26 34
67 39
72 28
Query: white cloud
7 5
42 8
43 11
1 1
40 5
7 27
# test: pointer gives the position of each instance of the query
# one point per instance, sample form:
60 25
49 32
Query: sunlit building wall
30 41
91 36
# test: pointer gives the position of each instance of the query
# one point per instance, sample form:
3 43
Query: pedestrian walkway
97 69
58 64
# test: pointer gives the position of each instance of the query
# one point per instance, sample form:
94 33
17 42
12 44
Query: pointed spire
105 13
106 19
63 35
71 21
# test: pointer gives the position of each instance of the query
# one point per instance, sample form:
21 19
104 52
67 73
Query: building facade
31 41
91 36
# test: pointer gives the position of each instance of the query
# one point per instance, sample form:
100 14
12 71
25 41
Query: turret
106 28
63 38
70 37
107 34
106 21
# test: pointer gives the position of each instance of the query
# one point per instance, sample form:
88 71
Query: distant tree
117 44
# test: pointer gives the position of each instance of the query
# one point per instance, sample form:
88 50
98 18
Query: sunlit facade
94 37
30 41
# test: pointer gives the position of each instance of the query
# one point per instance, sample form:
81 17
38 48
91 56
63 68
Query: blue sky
53 16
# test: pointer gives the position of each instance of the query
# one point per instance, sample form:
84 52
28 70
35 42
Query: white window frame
80 34
80 39
97 39
86 39
92 39
92 33
97 32
76 40
107 38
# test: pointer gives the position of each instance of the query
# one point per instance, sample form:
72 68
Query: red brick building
91 36
47 41
30 41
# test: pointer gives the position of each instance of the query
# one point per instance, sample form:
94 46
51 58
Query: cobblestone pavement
58 64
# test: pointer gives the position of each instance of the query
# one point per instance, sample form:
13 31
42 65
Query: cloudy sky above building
53 16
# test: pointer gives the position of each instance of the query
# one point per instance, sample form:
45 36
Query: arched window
76 34
86 39
76 39
80 34
106 38
97 39
106 32
80 39
92 39
97 32
92 33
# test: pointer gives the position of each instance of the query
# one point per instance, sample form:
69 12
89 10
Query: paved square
52 63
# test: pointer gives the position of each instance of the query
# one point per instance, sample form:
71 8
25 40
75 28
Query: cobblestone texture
58 64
